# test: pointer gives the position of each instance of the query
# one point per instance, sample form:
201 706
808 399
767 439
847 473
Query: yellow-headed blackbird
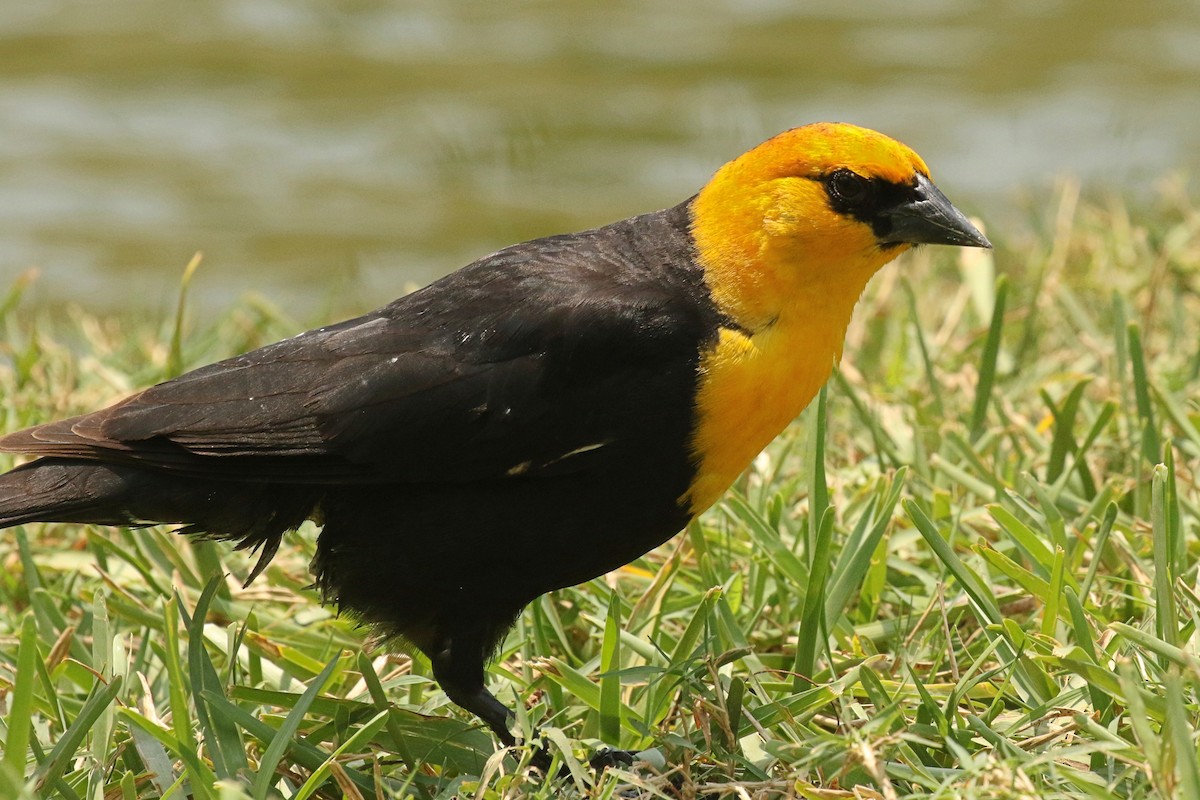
535 419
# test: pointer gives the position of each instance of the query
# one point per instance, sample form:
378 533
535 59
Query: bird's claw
608 757
600 761
541 760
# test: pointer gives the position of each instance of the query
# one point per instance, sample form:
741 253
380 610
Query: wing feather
540 359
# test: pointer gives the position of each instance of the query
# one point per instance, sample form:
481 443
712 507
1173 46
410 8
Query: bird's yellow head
810 215
788 236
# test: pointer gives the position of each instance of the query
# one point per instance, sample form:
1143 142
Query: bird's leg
458 668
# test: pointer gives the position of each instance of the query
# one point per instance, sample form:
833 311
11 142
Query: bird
541 416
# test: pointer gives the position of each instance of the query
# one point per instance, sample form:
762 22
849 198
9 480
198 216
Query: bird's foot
608 757
541 760
600 761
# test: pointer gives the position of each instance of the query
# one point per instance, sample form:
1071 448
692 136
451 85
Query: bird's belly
437 545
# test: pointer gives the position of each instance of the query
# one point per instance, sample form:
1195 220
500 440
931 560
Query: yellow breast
751 387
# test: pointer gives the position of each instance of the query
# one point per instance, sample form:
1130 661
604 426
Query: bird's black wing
547 357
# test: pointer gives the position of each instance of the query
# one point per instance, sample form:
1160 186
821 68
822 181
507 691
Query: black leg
458 665
458 668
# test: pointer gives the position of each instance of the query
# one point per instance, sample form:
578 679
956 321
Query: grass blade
812 621
283 737
1166 624
354 743
610 679
1182 739
20 706
66 749
988 363
175 353
1151 445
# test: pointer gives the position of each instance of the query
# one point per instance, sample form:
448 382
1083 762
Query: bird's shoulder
637 266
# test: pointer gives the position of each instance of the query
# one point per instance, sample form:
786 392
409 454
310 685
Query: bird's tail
255 516
64 490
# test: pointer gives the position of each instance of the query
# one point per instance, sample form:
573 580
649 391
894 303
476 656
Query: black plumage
518 426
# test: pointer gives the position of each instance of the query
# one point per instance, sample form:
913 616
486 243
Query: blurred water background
358 148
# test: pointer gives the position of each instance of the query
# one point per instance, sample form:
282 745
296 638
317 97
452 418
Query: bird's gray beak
929 218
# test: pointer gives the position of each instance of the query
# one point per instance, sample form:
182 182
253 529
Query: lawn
971 571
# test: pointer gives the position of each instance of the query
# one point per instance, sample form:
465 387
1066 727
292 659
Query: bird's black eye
848 188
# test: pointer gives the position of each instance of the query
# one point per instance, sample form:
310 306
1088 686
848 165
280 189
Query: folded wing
472 378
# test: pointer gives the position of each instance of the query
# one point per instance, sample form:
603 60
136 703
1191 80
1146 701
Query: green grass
973 574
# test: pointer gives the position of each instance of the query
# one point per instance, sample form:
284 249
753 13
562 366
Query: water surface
366 146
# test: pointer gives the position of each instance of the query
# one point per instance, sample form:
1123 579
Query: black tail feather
252 515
